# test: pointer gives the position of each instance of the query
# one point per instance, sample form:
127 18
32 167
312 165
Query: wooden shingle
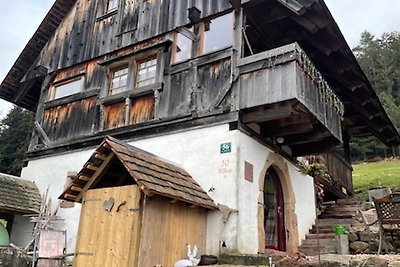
154 175
18 196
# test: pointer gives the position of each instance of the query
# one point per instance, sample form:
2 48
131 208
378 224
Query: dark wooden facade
286 74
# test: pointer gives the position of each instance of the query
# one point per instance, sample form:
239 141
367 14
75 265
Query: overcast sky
20 19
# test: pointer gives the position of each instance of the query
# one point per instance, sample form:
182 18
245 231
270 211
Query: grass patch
375 174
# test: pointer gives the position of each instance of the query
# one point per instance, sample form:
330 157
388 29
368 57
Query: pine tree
15 130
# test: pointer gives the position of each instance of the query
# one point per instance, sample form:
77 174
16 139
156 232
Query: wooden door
109 228
274 217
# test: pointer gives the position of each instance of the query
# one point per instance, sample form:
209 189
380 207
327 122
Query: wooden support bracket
42 134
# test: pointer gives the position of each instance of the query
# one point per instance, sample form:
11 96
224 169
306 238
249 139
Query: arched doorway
274 212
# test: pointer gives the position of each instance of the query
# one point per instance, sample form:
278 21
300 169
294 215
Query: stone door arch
279 165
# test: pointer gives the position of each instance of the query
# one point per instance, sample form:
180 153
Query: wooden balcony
283 97
339 182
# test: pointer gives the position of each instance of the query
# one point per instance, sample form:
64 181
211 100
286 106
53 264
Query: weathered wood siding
70 120
86 33
167 228
114 115
340 170
142 109
267 85
211 80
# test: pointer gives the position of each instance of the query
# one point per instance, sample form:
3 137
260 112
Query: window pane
69 88
119 81
219 33
146 73
112 5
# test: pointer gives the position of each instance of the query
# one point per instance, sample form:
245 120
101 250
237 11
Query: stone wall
11 257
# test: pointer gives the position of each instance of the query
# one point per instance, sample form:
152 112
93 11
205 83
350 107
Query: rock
364 236
334 260
359 246
375 262
353 237
11 257
373 246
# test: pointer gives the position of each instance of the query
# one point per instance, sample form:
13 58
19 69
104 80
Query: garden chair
388 211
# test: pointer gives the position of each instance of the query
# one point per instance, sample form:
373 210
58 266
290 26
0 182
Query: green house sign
226 148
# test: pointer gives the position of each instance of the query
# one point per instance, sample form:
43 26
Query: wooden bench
388 211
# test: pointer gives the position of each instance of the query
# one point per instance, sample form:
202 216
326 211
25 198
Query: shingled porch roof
18 196
154 175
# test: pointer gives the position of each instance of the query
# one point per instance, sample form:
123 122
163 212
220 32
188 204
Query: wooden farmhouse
231 91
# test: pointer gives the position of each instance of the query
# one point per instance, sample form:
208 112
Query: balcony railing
287 74
339 181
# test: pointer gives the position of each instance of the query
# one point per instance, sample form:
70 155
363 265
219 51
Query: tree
380 60
15 130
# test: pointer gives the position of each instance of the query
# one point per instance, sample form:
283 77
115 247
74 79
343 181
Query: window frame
111 77
198 39
107 9
56 84
203 31
137 69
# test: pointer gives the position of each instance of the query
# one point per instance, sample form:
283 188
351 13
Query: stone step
330 235
334 221
313 250
322 242
345 207
349 202
321 231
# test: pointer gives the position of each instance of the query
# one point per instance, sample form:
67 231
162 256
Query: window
111 5
119 81
67 88
183 45
218 33
212 35
146 72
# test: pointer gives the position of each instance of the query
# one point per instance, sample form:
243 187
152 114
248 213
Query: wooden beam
317 134
100 156
91 167
287 130
83 178
76 188
43 135
293 6
95 176
264 115
326 145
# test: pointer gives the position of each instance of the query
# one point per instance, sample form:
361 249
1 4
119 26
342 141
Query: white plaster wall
51 172
21 231
197 151
255 153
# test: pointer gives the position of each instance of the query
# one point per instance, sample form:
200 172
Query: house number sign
226 148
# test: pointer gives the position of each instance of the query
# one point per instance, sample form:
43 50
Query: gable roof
313 25
154 175
12 88
18 196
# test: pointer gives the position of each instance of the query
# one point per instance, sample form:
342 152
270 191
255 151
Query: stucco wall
21 224
51 172
301 186
220 174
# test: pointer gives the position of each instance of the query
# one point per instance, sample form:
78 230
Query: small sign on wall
226 148
248 171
